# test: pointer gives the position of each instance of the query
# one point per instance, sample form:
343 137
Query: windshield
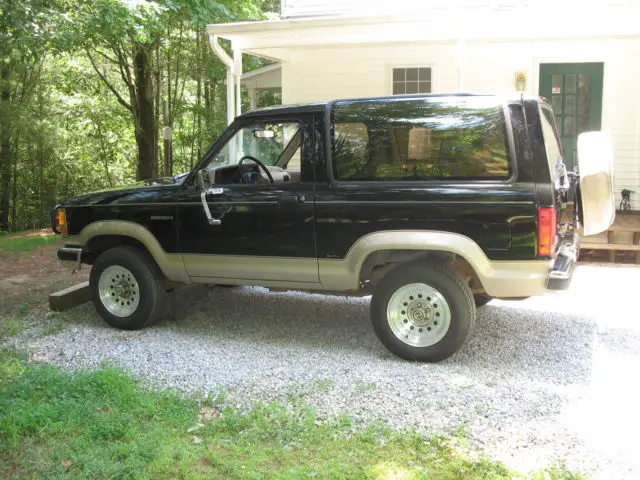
267 142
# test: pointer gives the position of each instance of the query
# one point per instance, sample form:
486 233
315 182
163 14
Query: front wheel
423 313
127 288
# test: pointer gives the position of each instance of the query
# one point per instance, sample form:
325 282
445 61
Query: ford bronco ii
431 204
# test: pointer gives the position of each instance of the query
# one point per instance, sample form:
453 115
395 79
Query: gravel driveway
546 379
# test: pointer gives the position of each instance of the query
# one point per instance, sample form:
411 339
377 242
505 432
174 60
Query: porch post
253 98
231 98
237 70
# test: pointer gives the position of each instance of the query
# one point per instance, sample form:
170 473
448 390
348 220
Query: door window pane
556 103
556 83
583 105
569 126
569 105
583 84
570 83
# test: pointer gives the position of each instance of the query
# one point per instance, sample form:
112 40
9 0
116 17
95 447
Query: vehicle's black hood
156 190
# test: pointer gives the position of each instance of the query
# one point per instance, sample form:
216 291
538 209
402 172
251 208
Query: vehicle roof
320 106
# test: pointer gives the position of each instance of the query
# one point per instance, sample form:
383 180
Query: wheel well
102 243
380 263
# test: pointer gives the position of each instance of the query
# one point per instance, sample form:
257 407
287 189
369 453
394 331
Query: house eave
442 24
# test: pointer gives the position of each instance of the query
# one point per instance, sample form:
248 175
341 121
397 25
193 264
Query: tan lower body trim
498 278
250 270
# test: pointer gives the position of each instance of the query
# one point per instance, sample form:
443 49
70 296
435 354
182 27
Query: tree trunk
5 148
145 114
158 91
14 193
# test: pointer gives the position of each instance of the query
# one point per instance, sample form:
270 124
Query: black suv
432 204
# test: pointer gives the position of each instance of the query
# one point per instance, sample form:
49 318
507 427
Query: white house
581 54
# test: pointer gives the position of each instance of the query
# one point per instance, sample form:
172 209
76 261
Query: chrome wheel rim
418 315
119 291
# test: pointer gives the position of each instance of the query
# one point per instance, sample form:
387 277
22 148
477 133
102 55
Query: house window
411 80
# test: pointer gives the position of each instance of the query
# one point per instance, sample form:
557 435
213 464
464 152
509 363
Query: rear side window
551 142
435 138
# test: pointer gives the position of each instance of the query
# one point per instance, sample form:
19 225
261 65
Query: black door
262 232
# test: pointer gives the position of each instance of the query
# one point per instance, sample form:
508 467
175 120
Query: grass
103 425
24 244
12 326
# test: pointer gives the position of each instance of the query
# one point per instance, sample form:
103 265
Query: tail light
547 231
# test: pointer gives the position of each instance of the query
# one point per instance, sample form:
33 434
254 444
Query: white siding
318 8
327 73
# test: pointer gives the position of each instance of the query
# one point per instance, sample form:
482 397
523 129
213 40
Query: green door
575 93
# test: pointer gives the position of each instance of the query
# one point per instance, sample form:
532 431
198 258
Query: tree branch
111 59
121 100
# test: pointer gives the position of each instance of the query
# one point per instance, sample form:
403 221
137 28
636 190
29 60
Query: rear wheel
127 287
423 313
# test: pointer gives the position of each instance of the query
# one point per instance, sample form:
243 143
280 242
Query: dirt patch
27 279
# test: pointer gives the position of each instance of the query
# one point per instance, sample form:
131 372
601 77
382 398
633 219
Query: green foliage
68 122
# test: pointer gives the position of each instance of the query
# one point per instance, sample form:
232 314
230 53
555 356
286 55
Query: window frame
511 151
389 77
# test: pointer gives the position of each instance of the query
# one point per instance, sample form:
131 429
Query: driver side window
259 153
271 143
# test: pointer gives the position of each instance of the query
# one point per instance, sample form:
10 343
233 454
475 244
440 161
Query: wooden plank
612 252
70 297
609 246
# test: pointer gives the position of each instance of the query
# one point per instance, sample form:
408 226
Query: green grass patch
12 326
105 425
26 244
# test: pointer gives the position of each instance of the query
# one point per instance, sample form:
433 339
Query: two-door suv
432 204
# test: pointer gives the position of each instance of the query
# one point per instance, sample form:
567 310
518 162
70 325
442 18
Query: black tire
457 295
150 280
481 299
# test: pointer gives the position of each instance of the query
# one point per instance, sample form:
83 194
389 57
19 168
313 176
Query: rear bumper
565 264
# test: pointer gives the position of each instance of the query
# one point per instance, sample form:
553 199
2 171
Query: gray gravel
548 379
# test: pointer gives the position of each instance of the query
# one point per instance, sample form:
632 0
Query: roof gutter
231 75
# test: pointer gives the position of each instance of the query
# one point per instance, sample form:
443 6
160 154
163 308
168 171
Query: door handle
205 205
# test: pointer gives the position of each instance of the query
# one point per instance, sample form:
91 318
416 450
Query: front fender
171 264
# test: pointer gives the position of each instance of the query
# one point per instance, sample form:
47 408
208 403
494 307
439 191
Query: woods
87 88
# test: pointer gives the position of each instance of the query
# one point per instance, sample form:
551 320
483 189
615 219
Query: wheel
481 299
423 312
127 287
